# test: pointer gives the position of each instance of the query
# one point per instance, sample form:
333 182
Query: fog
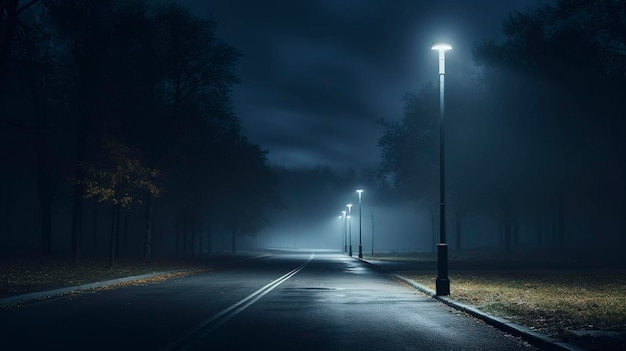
103 155
395 228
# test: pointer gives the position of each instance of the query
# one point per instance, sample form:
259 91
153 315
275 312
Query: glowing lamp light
442 283
441 47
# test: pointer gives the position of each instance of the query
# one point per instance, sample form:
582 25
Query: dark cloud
316 75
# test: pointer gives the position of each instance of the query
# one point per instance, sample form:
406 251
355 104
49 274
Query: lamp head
441 46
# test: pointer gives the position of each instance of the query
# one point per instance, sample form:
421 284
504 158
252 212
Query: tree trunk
200 242
95 228
193 236
507 234
208 239
43 172
45 209
561 222
118 225
538 232
515 233
458 232
4 218
114 230
8 199
125 233
6 40
147 248
178 235
554 230
185 235
76 223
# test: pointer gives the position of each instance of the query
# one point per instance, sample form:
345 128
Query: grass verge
585 306
30 275
546 301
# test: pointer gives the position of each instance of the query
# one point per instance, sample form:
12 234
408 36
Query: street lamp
349 230
341 218
360 191
345 234
442 283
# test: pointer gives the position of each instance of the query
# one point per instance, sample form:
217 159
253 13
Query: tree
249 189
120 180
9 13
29 93
410 149
568 64
153 77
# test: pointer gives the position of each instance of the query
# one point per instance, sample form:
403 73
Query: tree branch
23 8
23 126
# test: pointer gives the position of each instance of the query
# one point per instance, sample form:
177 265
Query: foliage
121 179
536 136
409 147
156 77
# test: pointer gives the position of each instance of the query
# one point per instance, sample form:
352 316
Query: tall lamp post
442 283
345 233
341 227
360 191
349 230
372 233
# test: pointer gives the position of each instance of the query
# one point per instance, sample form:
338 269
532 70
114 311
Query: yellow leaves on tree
120 178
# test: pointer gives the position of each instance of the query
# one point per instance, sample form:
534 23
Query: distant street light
360 191
345 233
349 230
372 233
442 283
341 218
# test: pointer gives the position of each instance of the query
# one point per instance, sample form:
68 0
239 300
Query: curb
48 294
531 336
42 295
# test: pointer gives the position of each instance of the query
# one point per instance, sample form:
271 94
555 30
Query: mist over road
289 300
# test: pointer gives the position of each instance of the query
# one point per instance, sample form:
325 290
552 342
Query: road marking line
211 324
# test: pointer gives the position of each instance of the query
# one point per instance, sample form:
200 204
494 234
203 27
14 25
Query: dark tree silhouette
536 136
10 11
152 77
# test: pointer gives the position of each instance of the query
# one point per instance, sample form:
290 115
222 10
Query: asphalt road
286 301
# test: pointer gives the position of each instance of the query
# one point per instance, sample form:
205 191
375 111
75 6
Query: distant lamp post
372 233
345 233
360 191
349 230
442 283
341 231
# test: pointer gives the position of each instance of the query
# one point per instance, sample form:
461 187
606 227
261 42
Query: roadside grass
579 300
403 257
20 276
547 301
546 293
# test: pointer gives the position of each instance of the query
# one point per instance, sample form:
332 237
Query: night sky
316 75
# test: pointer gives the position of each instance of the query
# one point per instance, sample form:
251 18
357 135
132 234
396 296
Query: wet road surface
286 301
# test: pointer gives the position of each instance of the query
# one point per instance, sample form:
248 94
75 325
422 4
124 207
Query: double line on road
207 326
